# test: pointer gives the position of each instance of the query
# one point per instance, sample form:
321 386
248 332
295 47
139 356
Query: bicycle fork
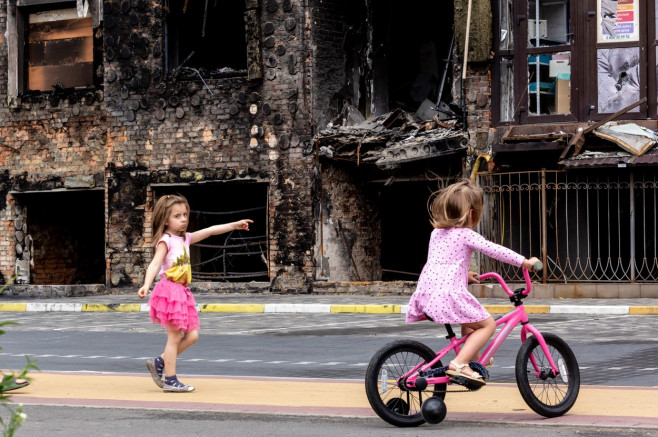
528 328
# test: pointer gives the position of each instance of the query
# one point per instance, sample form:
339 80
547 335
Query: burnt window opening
63 240
411 50
205 38
51 46
236 256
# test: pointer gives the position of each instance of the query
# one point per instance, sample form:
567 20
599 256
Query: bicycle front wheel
545 393
388 396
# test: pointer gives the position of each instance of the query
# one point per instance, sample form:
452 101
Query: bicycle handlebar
526 275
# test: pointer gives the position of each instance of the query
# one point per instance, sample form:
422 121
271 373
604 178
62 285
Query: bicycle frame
511 320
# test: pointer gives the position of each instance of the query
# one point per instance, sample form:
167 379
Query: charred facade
329 123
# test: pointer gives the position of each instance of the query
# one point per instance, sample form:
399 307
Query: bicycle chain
441 371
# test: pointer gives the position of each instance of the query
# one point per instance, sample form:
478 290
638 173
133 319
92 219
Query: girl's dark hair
161 213
452 205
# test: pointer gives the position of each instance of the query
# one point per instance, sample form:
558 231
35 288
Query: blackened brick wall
141 128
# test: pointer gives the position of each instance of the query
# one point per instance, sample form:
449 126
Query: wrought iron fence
598 225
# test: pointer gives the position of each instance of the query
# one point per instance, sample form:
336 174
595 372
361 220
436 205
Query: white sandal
475 377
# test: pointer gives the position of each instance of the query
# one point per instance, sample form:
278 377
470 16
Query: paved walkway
313 303
632 406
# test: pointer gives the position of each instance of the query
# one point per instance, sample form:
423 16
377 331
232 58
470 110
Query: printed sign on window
618 20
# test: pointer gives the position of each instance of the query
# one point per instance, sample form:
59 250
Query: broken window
411 44
548 37
206 36
60 49
236 256
56 243
505 66
618 78
50 45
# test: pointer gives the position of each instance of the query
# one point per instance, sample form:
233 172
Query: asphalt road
611 350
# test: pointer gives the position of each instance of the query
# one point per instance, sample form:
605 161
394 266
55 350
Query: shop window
578 61
208 37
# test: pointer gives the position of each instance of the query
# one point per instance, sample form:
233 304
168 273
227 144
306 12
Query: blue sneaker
173 385
157 376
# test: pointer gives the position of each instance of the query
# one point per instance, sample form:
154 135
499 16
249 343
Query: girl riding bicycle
441 294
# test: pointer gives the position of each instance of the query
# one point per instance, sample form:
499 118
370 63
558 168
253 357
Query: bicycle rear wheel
545 393
390 399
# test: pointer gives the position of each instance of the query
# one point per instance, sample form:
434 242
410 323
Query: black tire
396 405
548 395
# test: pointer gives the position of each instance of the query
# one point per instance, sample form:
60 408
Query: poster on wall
618 20
618 78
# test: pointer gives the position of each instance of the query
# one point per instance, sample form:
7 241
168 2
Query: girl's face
177 220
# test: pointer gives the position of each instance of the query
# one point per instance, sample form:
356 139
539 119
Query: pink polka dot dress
442 292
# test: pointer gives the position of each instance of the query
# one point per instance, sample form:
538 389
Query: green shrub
16 414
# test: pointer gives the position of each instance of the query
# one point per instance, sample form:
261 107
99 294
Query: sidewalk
314 303
497 402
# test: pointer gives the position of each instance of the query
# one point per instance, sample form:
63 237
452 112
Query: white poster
618 79
618 20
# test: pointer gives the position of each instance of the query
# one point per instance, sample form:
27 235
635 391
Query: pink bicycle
406 382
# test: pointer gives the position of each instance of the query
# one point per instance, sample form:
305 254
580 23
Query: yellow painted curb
637 310
498 309
537 309
232 308
369 309
105 308
13 306
530 309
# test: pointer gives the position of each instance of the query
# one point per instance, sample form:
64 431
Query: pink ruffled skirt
173 306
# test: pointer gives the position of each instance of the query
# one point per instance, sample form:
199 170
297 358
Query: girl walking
172 303
441 294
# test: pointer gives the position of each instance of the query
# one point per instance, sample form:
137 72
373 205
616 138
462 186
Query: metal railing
598 225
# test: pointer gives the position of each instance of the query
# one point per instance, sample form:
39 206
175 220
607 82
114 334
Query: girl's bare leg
481 332
184 341
188 340
171 351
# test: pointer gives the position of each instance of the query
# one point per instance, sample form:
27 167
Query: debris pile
391 140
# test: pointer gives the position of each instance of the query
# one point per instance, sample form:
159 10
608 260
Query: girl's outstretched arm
153 269
242 225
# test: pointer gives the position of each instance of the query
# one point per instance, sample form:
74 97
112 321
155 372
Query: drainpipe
468 34
476 166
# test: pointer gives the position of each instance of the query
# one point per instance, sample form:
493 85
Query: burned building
327 122
107 105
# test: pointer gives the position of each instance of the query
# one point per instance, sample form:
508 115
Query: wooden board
69 75
635 144
60 51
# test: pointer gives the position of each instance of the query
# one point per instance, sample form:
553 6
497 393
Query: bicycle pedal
465 382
